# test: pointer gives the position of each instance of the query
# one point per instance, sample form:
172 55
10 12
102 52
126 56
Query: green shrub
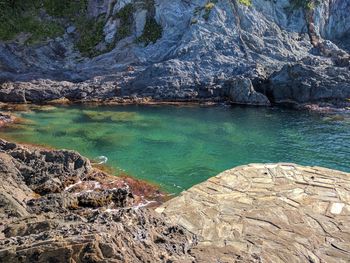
152 32
90 34
21 16
126 19
245 2
207 8
65 8
304 4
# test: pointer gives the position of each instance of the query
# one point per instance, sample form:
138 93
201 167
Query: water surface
177 147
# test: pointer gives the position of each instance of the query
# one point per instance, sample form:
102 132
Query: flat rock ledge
268 213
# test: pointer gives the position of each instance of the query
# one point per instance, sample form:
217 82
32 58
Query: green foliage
126 19
245 2
90 34
304 4
18 16
152 32
65 8
207 8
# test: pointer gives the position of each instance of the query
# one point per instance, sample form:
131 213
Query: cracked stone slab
268 213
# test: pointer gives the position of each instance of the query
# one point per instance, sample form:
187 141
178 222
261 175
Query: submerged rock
267 213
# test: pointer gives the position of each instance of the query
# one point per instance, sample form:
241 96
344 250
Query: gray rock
53 170
70 29
98 7
110 30
199 50
241 91
45 228
140 21
301 83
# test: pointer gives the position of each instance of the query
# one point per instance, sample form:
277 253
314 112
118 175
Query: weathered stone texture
268 213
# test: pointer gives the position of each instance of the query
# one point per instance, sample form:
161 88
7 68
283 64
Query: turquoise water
177 147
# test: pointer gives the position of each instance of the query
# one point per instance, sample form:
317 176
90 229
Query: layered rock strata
285 51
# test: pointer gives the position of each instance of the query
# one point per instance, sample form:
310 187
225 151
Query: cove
177 147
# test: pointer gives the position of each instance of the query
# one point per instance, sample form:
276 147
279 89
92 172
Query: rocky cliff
245 51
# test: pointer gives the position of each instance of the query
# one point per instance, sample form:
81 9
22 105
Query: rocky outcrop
55 207
241 91
305 82
6 118
202 46
118 236
267 213
252 213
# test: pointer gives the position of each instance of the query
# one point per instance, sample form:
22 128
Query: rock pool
177 147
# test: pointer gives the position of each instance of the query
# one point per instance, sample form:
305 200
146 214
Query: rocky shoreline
242 52
56 207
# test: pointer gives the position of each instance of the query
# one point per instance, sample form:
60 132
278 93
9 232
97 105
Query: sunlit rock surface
268 213
55 207
199 51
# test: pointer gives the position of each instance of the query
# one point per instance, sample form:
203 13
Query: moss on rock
245 2
90 34
152 32
304 4
22 16
126 20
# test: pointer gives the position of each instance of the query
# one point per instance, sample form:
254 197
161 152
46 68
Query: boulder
304 82
241 91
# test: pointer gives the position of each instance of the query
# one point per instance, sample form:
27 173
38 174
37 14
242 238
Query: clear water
177 147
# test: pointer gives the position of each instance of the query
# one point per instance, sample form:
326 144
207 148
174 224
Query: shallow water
177 147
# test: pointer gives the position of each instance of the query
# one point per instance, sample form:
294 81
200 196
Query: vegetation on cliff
126 20
39 20
152 31
18 16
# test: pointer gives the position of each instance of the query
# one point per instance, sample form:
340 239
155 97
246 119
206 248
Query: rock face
241 91
202 47
268 213
54 207
303 83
